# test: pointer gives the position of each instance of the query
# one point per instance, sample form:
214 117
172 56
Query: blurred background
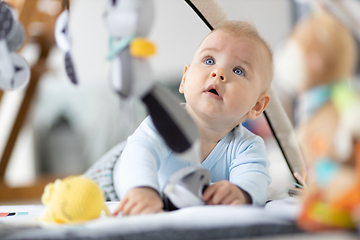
69 127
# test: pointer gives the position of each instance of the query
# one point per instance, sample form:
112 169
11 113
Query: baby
226 83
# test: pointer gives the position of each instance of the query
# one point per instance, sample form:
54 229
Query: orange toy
318 214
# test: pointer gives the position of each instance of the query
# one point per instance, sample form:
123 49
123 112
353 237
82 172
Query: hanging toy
75 199
14 70
331 204
62 38
185 188
129 22
333 199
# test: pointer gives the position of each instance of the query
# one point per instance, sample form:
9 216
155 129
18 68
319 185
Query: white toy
186 187
129 22
62 38
14 70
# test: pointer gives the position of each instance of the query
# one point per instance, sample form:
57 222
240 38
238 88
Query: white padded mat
275 213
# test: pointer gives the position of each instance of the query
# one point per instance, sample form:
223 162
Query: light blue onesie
239 157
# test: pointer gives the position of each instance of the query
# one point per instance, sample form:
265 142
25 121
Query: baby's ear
260 106
181 88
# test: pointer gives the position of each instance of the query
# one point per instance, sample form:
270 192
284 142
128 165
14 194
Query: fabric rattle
74 199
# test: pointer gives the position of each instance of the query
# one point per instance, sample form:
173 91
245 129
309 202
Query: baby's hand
226 193
142 200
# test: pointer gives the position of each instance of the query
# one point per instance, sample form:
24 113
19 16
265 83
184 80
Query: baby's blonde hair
243 29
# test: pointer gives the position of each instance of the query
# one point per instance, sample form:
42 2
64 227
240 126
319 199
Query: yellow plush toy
72 200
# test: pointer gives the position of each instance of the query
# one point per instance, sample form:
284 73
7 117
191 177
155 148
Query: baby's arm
140 200
249 166
226 193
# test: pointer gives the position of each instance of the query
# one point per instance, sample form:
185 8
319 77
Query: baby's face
223 82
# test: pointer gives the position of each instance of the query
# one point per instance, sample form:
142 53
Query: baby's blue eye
209 61
239 71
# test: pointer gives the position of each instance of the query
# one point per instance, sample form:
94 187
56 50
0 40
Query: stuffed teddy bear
318 63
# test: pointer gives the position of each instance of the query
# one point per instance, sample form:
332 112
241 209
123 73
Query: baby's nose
218 74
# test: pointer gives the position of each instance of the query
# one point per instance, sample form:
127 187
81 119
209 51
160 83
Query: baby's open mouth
214 91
